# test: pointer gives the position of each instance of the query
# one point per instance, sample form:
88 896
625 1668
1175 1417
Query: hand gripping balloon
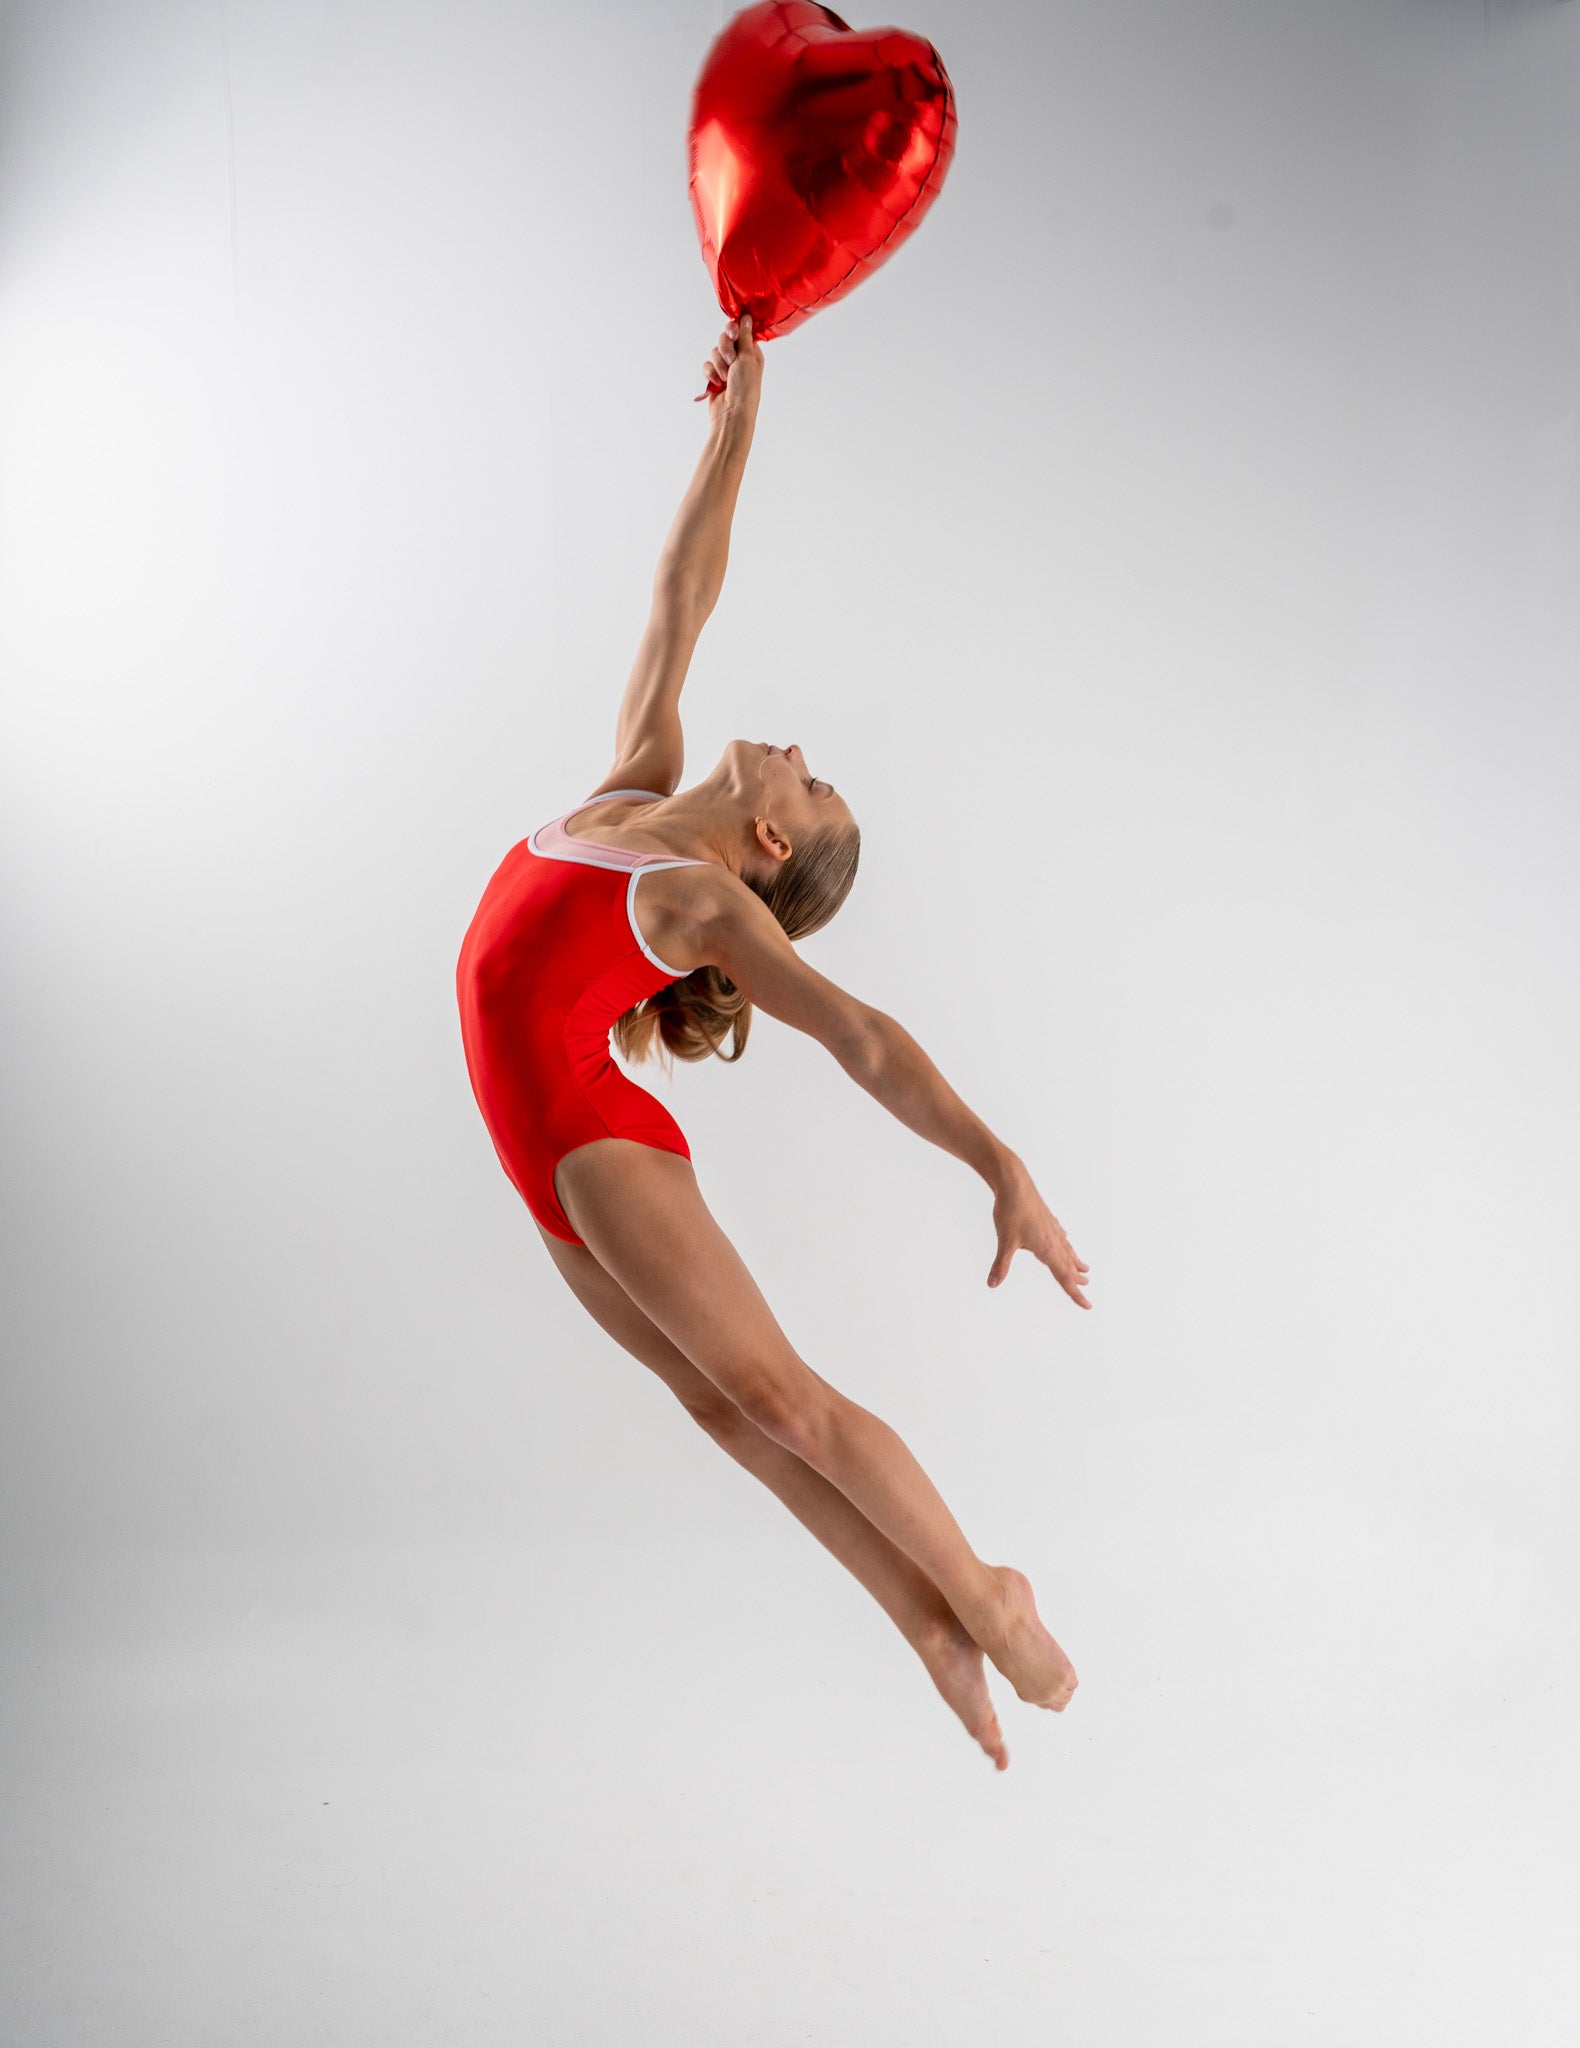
815 151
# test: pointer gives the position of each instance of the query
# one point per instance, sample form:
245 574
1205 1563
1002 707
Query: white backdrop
1172 553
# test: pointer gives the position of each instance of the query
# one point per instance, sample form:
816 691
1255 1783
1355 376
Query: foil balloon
815 152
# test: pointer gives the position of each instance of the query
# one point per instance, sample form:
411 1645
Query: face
781 789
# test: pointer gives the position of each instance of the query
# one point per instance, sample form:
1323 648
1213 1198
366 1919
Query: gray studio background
1173 554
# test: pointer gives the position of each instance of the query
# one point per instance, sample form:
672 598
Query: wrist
1002 1168
733 425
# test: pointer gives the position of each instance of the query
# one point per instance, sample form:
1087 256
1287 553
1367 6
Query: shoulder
704 915
711 895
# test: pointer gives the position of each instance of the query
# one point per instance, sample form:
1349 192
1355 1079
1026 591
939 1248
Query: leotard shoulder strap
555 843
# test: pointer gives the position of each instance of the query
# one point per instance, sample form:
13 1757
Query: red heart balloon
815 151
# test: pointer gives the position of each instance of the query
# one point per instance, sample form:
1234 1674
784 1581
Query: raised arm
649 747
742 937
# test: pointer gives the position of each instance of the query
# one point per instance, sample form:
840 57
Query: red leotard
551 958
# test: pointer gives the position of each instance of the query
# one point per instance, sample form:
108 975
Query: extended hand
736 368
1024 1222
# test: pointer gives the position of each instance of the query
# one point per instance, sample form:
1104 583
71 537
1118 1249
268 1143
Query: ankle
987 1619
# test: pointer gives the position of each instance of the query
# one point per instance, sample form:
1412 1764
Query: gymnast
563 951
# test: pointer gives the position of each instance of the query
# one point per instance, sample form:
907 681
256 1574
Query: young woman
562 950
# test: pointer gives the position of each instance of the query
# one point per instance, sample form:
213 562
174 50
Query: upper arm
743 938
649 748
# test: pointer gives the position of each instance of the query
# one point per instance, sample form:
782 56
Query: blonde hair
688 1020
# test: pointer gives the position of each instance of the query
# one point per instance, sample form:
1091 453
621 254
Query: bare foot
1023 1649
954 1663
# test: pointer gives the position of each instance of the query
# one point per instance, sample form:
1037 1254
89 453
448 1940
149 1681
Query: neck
703 823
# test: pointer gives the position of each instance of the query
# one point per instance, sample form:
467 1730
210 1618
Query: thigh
607 1302
640 1212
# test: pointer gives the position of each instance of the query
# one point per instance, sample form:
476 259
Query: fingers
1063 1271
1072 1282
1070 1271
1071 1254
737 339
1061 1239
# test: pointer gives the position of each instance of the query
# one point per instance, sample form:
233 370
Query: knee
795 1416
720 1417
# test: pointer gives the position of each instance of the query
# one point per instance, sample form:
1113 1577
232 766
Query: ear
771 839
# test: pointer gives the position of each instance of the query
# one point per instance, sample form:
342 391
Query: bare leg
904 1592
642 1215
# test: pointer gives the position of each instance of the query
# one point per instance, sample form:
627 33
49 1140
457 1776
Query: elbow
864 1046
685 593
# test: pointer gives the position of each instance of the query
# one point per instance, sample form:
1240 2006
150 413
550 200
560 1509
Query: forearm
895 1071
698 547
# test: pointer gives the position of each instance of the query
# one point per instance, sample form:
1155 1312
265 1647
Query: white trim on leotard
675 973
590 858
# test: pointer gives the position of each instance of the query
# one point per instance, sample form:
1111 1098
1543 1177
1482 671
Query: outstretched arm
649 745
698 547
744 939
